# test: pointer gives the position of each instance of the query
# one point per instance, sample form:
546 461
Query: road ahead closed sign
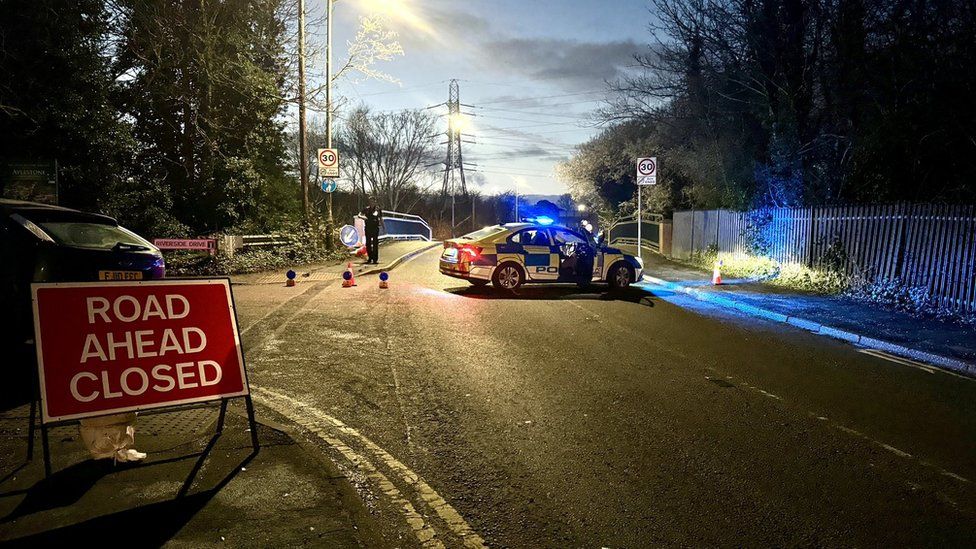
107 347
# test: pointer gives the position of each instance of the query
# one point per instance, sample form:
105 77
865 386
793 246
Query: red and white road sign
328 163
108 347
647 171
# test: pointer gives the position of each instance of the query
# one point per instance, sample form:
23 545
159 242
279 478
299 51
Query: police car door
537 254
562 239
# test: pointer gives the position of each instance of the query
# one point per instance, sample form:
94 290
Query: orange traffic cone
717 274
348 279
384 278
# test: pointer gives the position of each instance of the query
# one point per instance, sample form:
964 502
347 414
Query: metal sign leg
252 422
47 451
223 414
31 430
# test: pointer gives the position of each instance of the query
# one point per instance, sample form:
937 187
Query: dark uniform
373 218
585 254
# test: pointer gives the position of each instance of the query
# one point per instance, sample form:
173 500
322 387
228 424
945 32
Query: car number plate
450 255
120 275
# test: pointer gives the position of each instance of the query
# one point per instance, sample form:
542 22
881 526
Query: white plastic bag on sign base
111 437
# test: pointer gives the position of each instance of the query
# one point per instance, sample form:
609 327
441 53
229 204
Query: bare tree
388 154
374 44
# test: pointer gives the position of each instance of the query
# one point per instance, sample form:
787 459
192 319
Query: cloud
451 27
526 151
576 64
573 64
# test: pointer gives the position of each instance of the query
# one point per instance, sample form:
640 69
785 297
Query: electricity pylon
454 163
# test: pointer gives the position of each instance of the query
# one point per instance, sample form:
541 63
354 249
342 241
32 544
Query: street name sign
328 163
647 171
198 244
111 347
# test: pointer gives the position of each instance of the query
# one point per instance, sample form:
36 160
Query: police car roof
525 225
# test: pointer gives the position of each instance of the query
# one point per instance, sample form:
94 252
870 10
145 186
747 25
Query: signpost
328 163
329 185
208 245
646 175
112 347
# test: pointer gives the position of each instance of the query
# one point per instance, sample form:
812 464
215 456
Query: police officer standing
373 218
585 254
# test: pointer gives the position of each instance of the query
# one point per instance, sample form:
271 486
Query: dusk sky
533 70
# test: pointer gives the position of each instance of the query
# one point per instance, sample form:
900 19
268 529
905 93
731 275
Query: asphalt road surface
557 417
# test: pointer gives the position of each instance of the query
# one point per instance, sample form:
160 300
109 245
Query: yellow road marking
303 414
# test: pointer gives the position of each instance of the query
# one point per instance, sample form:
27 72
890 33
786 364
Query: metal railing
624 232
403 226
265 240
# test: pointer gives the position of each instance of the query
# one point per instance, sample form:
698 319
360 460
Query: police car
535 251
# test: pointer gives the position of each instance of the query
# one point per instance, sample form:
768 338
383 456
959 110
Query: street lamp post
516 201
328 116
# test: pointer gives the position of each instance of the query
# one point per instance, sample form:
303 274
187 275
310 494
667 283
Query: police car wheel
508 276
620 276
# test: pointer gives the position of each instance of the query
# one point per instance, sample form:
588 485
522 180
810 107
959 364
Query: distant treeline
793 102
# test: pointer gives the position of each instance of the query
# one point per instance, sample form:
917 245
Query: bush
307 247
894 293
764 269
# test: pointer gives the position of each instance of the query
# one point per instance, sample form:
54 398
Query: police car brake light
473 251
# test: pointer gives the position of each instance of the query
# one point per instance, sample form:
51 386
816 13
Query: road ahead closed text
108 347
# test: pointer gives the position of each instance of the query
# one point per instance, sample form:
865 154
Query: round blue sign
348 235
329 185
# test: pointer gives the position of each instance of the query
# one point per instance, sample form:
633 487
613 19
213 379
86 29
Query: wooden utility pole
302 140
329 243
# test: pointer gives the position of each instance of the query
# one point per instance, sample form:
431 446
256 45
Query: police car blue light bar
541 220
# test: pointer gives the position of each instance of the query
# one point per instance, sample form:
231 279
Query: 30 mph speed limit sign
647 171
328 163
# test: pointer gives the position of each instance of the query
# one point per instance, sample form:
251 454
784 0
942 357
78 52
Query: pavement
193 490
942 343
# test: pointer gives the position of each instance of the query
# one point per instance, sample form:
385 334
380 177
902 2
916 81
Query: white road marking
854 433
894 450
304 414
950 474
396 377
912 363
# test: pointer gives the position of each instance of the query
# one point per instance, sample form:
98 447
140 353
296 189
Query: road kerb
405 257
715 298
